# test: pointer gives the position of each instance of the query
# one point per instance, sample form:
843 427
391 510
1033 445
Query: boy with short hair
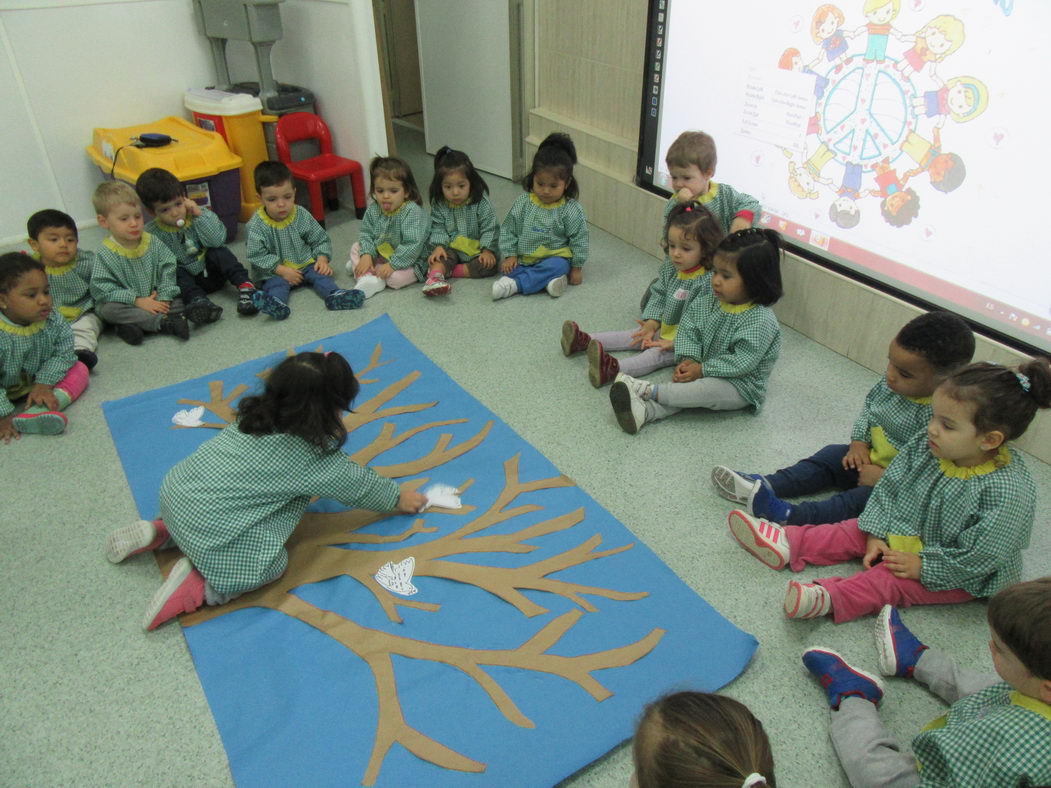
927 350
997 731
289 248
691 163
133 282
196 236
53 238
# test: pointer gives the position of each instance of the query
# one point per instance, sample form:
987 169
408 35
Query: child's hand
289 274
487 259
869 474
384 270
321 265
663 344
410 502
152 305
857 456
576 276
509 264
874 548
438 255
364 266
687 370
42 395
7 429
907 566
192 207
683 195
645 332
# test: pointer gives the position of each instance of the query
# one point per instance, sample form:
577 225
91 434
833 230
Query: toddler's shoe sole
764 540
129 539
48 422
345 299
733 485
437 289
557 286
269 305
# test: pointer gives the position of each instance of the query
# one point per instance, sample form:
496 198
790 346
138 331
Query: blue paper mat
294 706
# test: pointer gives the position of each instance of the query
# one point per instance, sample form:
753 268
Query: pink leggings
866 591
396 281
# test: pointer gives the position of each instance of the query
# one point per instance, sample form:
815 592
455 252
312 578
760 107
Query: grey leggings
710 393
116 313
642 363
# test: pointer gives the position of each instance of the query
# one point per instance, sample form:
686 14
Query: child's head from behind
691 162
276 189
691 236
118 210
747 267
53 235
393 183
1020 624
925 351
305 395
698 739
551 176
163 195
25 296
455 179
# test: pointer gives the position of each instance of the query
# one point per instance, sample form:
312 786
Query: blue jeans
534 278
279 288
816 473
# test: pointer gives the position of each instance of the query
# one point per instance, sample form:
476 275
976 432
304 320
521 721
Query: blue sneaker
269 305
897 648
734 485
344 299
839 679
763 503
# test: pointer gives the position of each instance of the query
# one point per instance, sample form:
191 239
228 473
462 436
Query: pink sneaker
182 592
141 536
436 285
806 600
766 541
44 422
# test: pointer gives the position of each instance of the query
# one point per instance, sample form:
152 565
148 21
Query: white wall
67 67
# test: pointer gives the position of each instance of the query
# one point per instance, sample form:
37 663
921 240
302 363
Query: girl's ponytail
1004 398
558 153
1037 372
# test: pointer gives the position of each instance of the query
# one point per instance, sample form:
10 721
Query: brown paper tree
316 552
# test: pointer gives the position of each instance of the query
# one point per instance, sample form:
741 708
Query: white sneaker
503 287
628 407
370 285
734 485
641 387
766 541
557 286
807 600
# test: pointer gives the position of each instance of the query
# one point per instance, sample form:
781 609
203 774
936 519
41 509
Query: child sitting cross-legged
197 238
133 282
997 731
926 350
947 521
288 248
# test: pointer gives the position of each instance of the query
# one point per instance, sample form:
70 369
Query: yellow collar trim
281 225
464 204
708 196
22 331
58 270
138 251
396 211
920 400
172 228
736 309
546 206
1034 705
686 276
954 471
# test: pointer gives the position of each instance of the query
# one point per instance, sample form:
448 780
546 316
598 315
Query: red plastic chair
321 169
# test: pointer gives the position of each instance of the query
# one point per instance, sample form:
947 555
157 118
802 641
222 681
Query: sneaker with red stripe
806 600
181 592
766 541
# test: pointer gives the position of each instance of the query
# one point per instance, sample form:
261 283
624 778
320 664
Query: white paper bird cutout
442 495
397 577
189 418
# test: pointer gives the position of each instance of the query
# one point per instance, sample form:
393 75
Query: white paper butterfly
443 496
189 418
397 577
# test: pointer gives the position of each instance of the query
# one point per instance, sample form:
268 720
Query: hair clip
1023 380
689 207
753 779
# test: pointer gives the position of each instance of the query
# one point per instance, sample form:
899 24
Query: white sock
370 285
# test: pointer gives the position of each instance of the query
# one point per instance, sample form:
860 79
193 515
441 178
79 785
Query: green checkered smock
122 275
399 236
725 203
737 342
41 352
189 242
70 293
533 231
232 504
469 228
995 737
888 421
295 241
670 293
971 523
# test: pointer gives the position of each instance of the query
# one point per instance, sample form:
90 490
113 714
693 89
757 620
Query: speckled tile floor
89 700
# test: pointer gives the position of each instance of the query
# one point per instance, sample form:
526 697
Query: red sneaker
573 339
141 536
602 367
182 592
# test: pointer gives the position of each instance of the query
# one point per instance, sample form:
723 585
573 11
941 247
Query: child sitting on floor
948 520
727 341
700 739
36 352
390 250
927 350
133 282
690 238
54 239
197 238
284 449
997 731
288 248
